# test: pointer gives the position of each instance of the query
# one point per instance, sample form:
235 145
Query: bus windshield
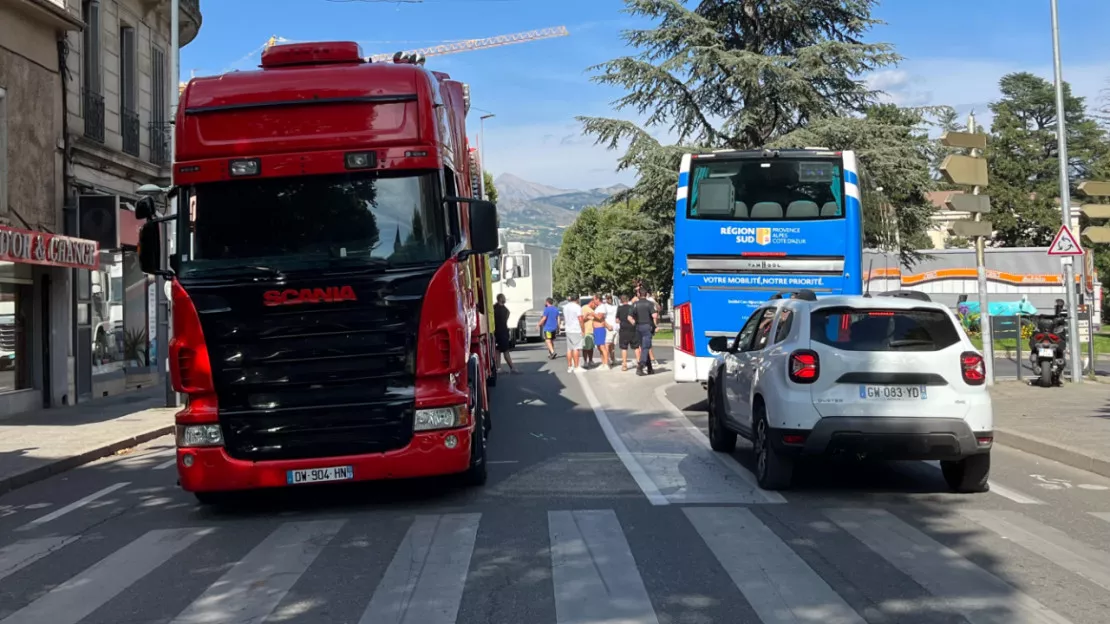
767 189
314 221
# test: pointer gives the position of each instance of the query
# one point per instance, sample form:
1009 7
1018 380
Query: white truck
524 275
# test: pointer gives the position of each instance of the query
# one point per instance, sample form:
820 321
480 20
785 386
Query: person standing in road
628 338
549 326
601 330
501 338
572 321
589 341
644 316
612 326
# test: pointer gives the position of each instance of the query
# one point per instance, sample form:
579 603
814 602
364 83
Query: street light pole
1065 202
165 328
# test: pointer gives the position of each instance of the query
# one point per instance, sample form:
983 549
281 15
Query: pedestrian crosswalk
827 566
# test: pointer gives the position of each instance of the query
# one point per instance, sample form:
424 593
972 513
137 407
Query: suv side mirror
150 248
720 344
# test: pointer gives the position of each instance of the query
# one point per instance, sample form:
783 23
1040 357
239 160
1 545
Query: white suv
891 376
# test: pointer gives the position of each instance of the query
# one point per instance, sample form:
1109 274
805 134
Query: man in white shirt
612 324
572 320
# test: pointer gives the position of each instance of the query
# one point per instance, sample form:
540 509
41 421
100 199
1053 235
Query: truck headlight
199 435
440 418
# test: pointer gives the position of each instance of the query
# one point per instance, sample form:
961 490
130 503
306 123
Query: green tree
1024 160
630 247
894 150
491 190
732 74
578 255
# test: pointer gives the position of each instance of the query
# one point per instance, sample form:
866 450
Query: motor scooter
1047 345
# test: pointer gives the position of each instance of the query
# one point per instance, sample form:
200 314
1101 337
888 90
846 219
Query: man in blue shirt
549 325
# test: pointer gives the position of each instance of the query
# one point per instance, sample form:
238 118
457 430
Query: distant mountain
537 213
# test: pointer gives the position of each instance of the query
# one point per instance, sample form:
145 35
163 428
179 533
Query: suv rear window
850 329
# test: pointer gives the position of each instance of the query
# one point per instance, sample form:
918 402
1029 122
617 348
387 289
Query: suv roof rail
803 294
908 294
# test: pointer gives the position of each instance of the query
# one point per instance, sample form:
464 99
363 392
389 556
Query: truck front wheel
477 474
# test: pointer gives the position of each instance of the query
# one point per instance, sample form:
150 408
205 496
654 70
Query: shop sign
47 249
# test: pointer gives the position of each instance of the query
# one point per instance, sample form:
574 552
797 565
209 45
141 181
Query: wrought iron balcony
92 109
129 128
160 143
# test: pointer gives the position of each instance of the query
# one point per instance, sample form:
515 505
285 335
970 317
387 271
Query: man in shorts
627 338
549 326
572 320
501 336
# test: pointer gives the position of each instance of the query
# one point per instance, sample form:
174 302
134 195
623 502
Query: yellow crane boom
469 45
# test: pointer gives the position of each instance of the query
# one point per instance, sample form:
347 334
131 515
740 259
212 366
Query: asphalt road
604 505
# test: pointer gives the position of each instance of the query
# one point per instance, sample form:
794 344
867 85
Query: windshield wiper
918 342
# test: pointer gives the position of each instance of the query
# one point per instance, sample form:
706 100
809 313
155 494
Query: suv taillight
190 368
805 366
684 330
973 369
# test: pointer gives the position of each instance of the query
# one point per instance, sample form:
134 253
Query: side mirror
720 344
150 248
145 208
483 226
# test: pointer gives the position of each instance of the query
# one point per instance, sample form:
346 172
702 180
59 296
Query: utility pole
1065 202
165 328
971 170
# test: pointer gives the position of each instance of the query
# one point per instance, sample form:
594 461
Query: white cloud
559 155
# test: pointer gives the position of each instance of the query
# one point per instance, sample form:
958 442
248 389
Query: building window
159 110
92 99
128 90
3 150
16 335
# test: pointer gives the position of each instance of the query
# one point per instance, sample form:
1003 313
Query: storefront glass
16 336
107 316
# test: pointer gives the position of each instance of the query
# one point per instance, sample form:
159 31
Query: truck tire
477 474
492 380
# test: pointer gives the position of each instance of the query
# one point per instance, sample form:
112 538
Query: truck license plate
319 475
1046 353
893 393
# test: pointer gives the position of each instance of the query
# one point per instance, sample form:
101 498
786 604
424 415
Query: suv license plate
893 393
1046 353
319 475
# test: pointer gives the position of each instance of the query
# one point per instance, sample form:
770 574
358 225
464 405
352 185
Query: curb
1062 453
7 484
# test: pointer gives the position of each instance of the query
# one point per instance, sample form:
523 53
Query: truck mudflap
433 453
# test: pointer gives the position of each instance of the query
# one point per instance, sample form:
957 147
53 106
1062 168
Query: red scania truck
327 285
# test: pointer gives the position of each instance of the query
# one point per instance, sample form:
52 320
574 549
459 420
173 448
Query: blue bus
749 224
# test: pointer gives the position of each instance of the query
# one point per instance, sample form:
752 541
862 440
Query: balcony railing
93 111
130 130
160 143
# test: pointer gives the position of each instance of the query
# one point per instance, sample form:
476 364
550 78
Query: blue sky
955 51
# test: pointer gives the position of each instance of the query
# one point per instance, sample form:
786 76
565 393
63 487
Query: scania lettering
331 294
749 224
328 282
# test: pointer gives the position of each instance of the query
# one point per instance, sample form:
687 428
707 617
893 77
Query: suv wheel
968 475
720 439
773 470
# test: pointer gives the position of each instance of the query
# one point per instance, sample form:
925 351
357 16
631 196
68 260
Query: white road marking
254 586
425 580
777 583
1052 544
1003 491
701 438
75 599
15 557
593 572
630 463
58 513
167 464
979 596
1092 486
1101 515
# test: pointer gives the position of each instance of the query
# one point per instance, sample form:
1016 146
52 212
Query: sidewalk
37 445
1070 424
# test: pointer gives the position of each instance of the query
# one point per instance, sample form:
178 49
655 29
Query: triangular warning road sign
1065 244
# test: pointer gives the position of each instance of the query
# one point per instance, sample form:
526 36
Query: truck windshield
756 189
314 221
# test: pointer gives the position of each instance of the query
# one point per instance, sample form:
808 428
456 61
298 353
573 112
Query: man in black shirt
501 337
627 338
645 317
